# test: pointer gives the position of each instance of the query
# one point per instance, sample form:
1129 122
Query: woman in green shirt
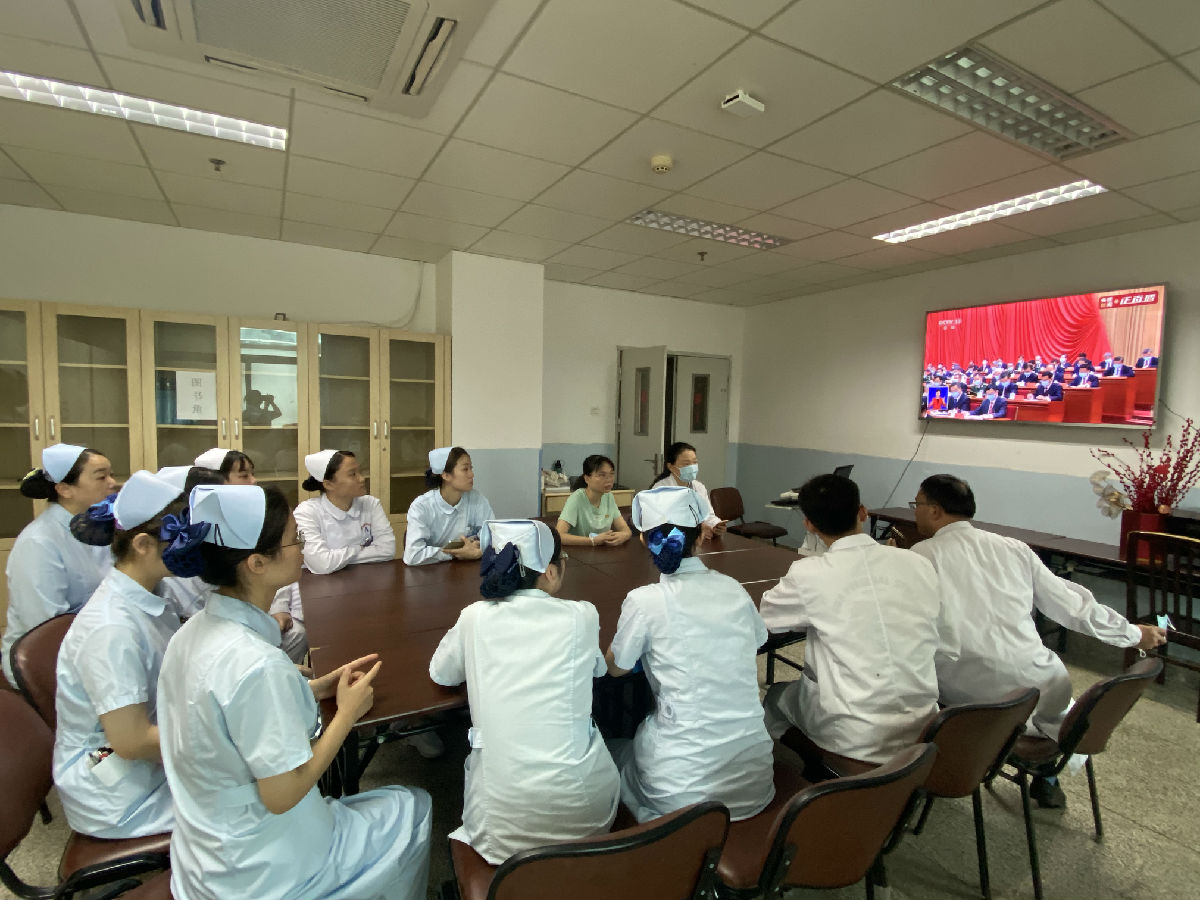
590 515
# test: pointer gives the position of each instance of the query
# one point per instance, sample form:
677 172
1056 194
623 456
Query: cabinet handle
236 431
375 428
52 428
224 432
37 428
385 429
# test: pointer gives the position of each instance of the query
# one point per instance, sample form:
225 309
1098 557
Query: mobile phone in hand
454 545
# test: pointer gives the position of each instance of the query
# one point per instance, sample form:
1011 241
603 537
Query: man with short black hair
992 585
1048 388
1085 377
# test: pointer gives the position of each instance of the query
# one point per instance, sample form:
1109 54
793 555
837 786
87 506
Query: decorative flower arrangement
1155 482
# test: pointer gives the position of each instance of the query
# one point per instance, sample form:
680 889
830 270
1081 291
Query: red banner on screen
1128 298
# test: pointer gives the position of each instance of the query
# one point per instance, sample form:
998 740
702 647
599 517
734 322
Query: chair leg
1091 775
924 815
44 811
770 667
1031 839
985 884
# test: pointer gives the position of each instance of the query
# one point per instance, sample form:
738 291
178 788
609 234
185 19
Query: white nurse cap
438 459
177 475
142 498
669 504
317 464
58 460
212 459
533 540
235 511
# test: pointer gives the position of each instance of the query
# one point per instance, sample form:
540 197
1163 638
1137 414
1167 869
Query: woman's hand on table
327 685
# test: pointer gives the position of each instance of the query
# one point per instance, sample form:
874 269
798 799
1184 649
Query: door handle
224 431
37 428
385 428
52 428
375 428
236 431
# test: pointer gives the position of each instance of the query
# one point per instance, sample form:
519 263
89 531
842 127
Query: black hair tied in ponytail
97 525
182 557
669 544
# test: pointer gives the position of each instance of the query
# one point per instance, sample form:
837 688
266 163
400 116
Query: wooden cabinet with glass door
414 419
344 385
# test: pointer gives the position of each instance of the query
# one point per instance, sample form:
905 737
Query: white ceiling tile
751 13
529 118
1096 210
226 221
827 246
336 213
723 297
620 281
325 236
96 203
1125 226
819 273
1072 44
326 179
46 20
956 165
1148 100
600 195
189 154
613 51
30 57
1188 214
25 193
766 262
459 92
844 203
48 128
715 252
963 240
635 239
695 155
678 289
500 27
8 168
554 224
1007 188
701 208
1169 193
518 246
1172 24
593 257
657 269
886 256
780 226
717 277
884 40
92 174
1008 249
1191 62
880 127
360 140
1160 155
221 194
763 181
795 88
404 248
770 285
921 212
469 207
487 170
573 274
442 232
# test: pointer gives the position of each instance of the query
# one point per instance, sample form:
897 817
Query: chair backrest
727 503
35 664
26 749
829 834
669 858
1095 715
1168 565
973 740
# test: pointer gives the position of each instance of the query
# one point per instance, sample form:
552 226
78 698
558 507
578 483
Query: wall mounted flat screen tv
1080 359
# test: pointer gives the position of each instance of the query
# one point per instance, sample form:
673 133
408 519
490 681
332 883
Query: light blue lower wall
510 479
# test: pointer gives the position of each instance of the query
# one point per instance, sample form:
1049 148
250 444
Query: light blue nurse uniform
433 523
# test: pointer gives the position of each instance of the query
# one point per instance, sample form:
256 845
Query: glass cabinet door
347 397
187 414
21 417
267 393
413 425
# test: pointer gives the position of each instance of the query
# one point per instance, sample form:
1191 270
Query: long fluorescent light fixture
1076 190
713 231
48 92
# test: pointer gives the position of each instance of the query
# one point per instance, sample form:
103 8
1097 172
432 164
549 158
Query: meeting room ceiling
538 148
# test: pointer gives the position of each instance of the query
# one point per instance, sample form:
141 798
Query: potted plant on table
1152 485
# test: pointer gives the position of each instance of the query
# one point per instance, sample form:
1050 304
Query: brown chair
35 664
1169 566
157 887
828 835
26 750
670 858
973 740
1086 730
727 504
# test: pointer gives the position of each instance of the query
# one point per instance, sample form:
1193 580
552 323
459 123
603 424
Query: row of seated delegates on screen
590 516
444 522
50 573
241 737
681 469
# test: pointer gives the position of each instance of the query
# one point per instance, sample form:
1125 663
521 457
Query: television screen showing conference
1080 359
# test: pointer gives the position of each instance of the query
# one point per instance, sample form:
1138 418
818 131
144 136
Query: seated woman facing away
444 522
345 525
538 772
697 635
590 515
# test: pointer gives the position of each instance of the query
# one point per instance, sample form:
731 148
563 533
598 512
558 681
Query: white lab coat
50 573
232 709
294 641
433 523
993 584
697 634
875 621
110 659
538 772
710 518
336 538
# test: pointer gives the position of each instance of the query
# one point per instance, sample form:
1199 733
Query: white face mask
689 473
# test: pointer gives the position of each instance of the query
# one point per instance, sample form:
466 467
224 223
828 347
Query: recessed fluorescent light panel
988 91
714 231
80 97
1076 190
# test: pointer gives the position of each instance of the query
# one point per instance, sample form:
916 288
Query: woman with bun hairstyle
49 572
234 465
107 764
681 469
528 659
242 741
186 594
444 522
697 634
590 516
345 525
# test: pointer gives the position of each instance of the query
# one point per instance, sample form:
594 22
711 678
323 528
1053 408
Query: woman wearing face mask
681 470
590 516
49 572
345 525
444 522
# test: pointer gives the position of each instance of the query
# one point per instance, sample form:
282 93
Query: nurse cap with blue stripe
666 505
58 460
533 541
235 511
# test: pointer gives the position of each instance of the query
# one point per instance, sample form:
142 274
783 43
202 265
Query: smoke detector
742 104
661 163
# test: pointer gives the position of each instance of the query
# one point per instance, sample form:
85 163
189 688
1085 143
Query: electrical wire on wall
895 487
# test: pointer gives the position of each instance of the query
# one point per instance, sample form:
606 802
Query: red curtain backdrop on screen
1048 328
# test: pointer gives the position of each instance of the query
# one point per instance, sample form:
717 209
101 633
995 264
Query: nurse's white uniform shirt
433 523
336 538
710 517
110 659
233 709
49 573
697 633
538 772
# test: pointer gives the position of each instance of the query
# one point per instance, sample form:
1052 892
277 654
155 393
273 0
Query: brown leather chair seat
35 665
83 851
818 757
744 857
156 888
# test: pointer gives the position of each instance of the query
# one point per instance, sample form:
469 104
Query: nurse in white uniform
49 572
682 467
239 730
697 635
345 525
107 765
234 465
444 522
538 772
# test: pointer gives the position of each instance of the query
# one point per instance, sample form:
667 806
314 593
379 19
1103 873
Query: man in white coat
993 584
875 623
